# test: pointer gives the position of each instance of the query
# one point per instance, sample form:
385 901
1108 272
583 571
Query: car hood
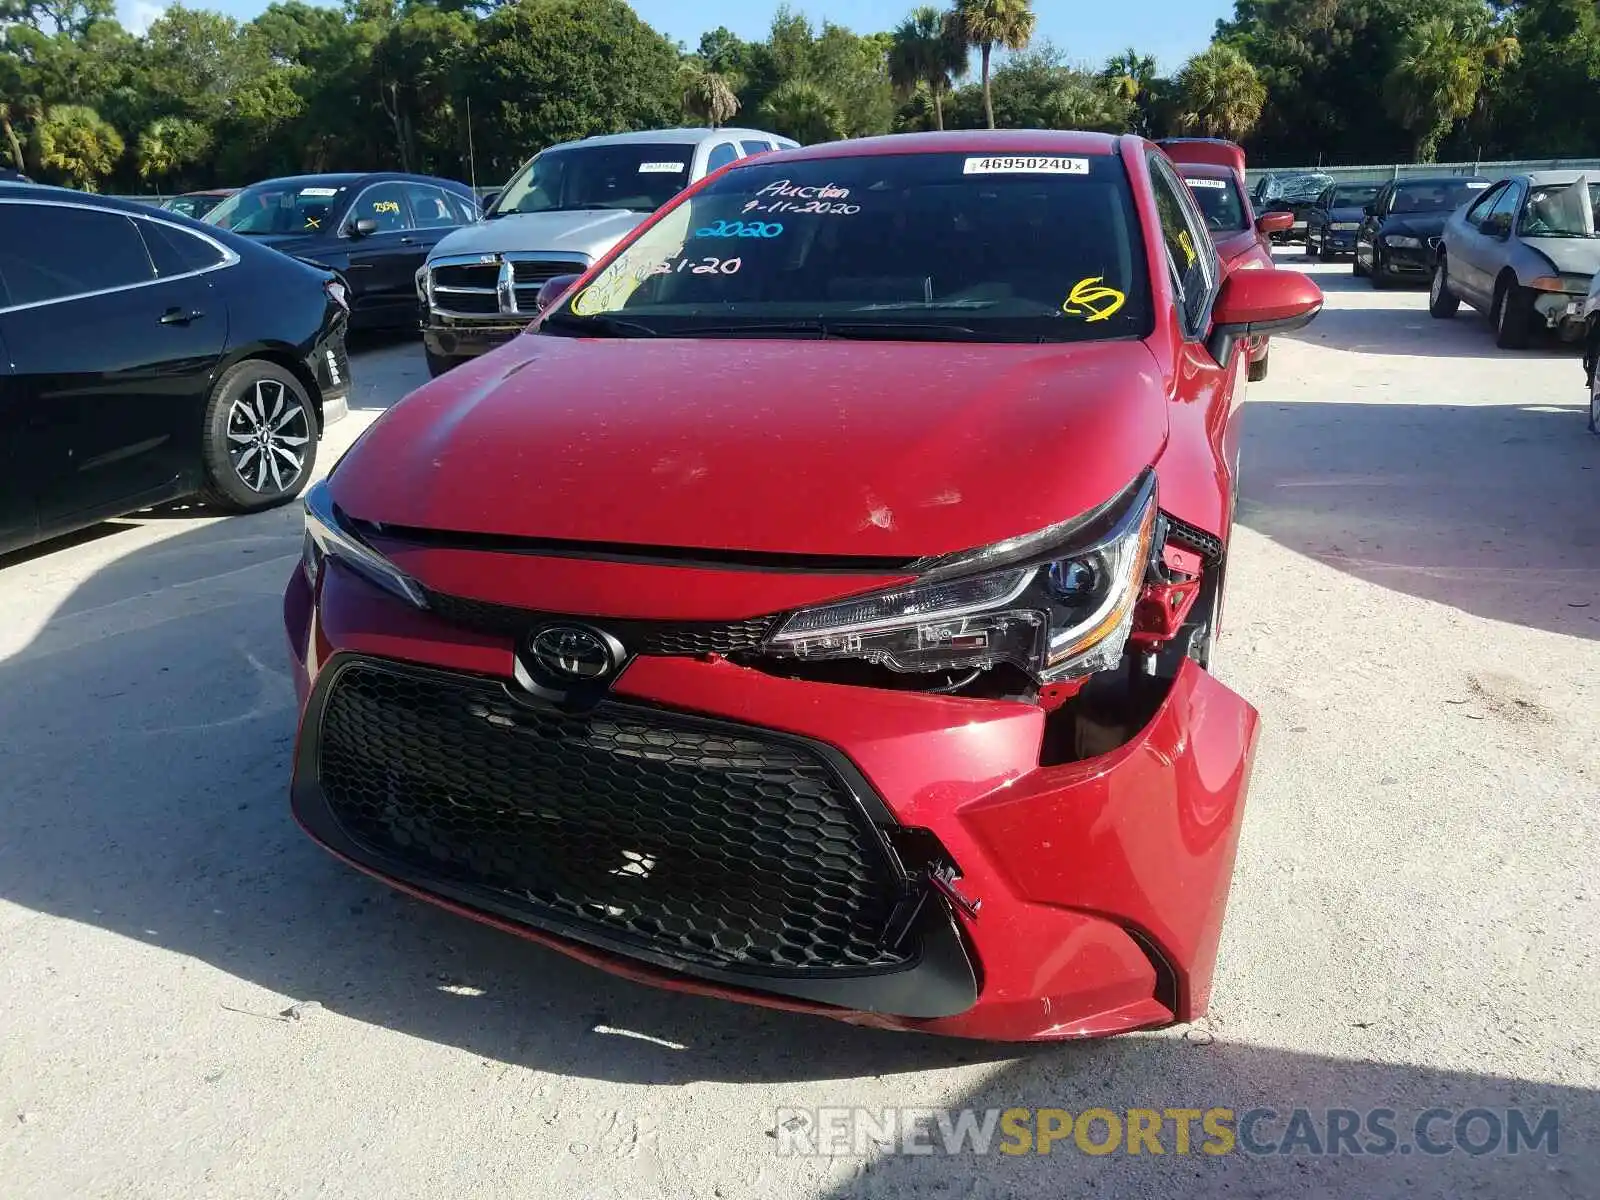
1423 225
296 244
591 232
1569 256
1346 214
836 448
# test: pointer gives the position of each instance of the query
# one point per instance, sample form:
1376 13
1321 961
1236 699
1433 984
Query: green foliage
203 99
79 144
1219 94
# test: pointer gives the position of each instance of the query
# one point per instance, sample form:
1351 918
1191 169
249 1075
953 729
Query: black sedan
145 357
1331 226
1400 230
373 231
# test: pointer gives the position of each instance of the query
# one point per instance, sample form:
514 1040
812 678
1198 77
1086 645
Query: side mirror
365 227
1275 222
486 202
1261 302
553 289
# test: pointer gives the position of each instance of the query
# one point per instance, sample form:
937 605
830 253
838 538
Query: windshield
1556 212
1354 195
635 176
293 206
925 246
1295 187
1219 201
1442 196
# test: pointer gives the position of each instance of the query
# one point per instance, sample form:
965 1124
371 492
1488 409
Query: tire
1513 316
1442 302
1594 394
1310 250
438 364
253 401
1355 265
1255 372
1324 254
1380 271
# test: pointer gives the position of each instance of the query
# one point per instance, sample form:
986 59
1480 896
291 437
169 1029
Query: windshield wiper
599 326
860 330
931 305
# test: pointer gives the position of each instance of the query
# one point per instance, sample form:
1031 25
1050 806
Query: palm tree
1219 94
168 145
708 97
7 111
802 110
927 49
1436 81
990 23
79 144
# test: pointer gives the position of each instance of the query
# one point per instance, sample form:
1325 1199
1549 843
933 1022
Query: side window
50 252
1380 202
1498 218
1480 208
175 252
430 208
384 203
721 155
755 147
466 211
1188 244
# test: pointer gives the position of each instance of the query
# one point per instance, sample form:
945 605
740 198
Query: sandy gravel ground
1414 607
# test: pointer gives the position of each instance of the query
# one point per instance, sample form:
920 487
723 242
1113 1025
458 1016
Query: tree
927 50
169 145
986 24
78 144
1039 89
1219 94
708 98
1435 83
804 112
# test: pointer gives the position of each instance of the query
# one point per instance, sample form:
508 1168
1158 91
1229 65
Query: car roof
960 141
1438 180
45 191
1205 170
685 136
351 178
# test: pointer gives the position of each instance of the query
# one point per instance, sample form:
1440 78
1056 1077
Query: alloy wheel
268 431
1594 399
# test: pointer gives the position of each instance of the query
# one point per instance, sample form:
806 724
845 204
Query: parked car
373 231
566 207
7 175
197 204
1332 224
1400 229
1214 170
814 607
1525 253
145 357
1292 192
1591 350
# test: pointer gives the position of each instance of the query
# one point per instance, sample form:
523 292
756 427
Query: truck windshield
944 247
633 176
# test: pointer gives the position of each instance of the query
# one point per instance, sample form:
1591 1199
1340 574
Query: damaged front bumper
1561 312
983 884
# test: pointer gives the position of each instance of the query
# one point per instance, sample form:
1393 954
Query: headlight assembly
1402 242
1055 604
327 537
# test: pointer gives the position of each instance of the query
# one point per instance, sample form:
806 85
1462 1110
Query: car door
434 213
111 360
1462 244
383 263
19 520
1483 251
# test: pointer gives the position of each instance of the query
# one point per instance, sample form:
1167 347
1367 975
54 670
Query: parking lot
195 1000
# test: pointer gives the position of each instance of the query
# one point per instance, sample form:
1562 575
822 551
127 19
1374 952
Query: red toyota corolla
814 607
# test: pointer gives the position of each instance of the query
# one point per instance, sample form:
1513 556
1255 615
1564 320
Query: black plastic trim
940 980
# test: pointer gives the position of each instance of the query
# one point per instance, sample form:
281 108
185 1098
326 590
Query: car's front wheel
1513 316
1355 264
1594 393
1256 371
1442 302
438 364
1380 270
260 438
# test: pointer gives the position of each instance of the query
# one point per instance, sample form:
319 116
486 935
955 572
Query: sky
1087 31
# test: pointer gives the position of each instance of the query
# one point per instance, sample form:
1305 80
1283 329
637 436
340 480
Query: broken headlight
1056 603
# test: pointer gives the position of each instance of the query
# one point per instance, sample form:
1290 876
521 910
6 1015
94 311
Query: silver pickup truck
567 206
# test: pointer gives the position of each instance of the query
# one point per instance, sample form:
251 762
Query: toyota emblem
572 654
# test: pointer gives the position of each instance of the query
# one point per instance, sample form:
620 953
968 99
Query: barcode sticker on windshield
1031 165
1476 187
661 168
319 191
1206 183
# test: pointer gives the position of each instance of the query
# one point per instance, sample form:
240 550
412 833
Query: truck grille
481 289
473 275
714 844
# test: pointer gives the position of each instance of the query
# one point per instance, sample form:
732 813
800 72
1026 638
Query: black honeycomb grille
671 639
726 848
